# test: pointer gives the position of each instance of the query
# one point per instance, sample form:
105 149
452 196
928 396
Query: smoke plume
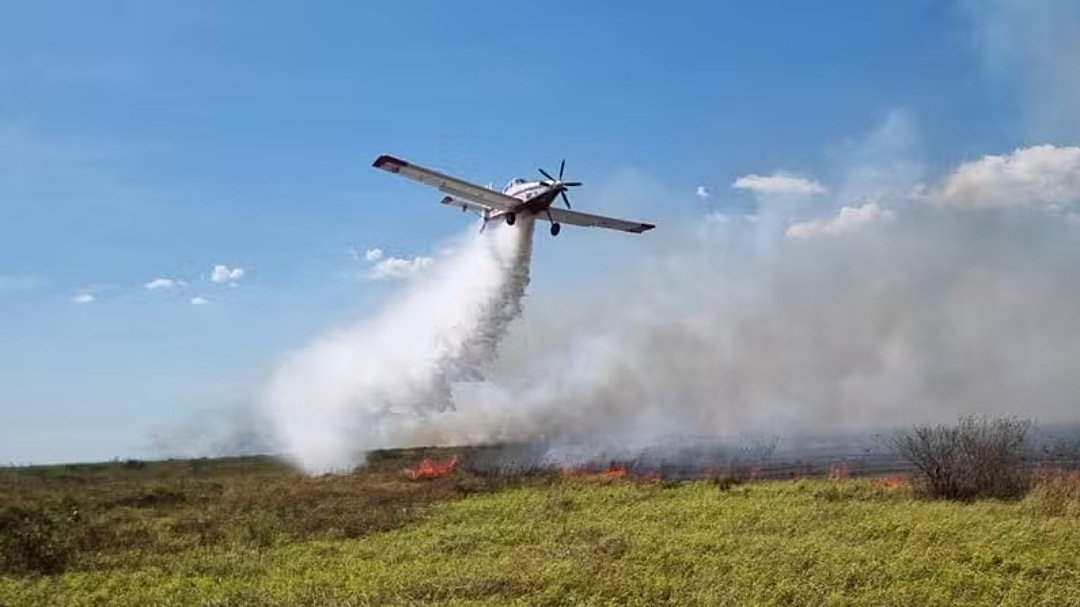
897 302
888 301
361 387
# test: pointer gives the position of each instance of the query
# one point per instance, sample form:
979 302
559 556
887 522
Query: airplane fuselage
535 196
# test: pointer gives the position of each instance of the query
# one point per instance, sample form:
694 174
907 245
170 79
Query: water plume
360 387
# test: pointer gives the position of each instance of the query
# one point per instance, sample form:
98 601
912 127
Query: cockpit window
513 182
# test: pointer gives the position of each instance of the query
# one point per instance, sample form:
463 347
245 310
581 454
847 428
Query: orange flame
892 482
429 469
585 472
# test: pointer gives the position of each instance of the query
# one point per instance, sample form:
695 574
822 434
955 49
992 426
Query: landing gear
510 219
555 229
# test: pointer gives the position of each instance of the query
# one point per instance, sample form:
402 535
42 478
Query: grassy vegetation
107 516
246 532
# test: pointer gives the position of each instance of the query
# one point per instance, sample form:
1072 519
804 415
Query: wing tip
643 227
389 163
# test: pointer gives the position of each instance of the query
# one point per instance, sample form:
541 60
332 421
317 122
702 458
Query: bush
33 539
976 458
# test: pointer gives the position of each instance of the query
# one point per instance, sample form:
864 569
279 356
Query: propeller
559 185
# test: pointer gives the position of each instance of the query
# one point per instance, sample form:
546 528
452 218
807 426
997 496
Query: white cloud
779 183
83 298
1045 175
163 283
389 268
199 301
702 192
224 273
849 219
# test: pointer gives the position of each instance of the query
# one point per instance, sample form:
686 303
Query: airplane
520 197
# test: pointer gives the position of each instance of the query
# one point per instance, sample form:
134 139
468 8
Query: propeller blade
564 198
545 174
571 184
562 165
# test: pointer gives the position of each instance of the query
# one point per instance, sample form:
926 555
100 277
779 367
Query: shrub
975 458
33 539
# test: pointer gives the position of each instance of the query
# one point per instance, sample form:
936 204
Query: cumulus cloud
702 192
779 184
848 220
1044 176
163 283
83 298
223 273
199 301
390 268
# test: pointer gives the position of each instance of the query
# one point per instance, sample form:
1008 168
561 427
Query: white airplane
519 197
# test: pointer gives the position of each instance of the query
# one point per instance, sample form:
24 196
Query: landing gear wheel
510 219
555 229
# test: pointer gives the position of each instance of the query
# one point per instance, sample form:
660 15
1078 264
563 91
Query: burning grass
610 472
248 532
431 469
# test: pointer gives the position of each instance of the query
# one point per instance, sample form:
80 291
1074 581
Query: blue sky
159 140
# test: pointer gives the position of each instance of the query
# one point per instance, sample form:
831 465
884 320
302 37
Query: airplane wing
450 185
588 220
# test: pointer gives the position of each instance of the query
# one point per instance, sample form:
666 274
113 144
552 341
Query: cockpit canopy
516 181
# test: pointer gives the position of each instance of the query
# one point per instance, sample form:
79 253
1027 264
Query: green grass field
249 532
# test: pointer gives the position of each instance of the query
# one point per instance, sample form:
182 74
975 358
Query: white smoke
363 386
731 329
722 328
924 299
